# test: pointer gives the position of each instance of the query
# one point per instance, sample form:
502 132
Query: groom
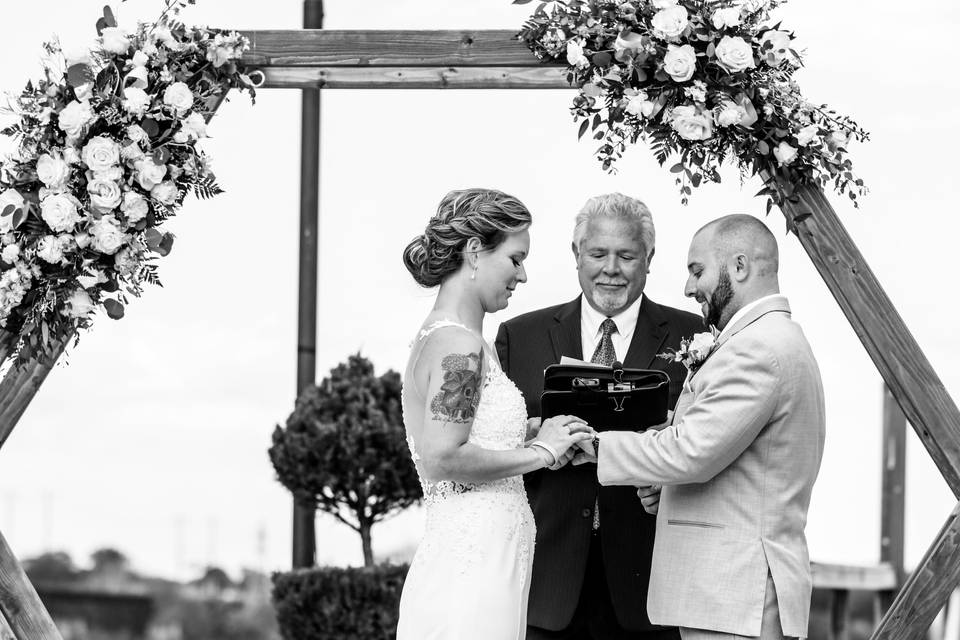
739 461
593 548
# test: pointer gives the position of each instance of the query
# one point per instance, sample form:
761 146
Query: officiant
594 544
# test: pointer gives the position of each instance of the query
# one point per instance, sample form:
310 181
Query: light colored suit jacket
738 466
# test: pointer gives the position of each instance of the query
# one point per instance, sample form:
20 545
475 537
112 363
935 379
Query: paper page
581 363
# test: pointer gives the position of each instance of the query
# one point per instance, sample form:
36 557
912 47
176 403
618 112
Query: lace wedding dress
470 577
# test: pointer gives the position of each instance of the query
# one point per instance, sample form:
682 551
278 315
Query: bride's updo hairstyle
486 214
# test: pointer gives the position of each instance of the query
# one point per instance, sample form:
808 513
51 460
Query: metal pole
304 534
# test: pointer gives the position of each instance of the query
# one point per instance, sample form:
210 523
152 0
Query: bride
466 426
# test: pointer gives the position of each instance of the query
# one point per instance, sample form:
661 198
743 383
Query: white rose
784 153
79 304
114 40
165 192
126 261
52 171
640 105
669 23
140 59
807 135
134 206
7 198
149 173
74 117
178 97
135 101
136 133
10 253
691 124
193 127
575 55
726 17
680 62
77 55
101 153
60 211
106 234
734 54
50 250
729 114
701 344
105 195
779 49
664 4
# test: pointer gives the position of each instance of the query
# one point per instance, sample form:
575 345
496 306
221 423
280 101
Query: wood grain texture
899 359
333 48
927 590
853 578
544 77
19 603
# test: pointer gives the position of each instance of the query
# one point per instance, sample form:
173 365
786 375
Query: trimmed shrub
332 603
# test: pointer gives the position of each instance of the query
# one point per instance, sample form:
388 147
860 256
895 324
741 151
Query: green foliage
339 604
344 448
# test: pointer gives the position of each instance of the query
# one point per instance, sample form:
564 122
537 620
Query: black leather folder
607 398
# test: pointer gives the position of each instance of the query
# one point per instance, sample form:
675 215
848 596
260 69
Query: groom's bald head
732 261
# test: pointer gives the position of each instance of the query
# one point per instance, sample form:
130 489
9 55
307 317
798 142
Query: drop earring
473 276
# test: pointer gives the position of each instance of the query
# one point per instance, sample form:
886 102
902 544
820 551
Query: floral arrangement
106 151
702 80
693 351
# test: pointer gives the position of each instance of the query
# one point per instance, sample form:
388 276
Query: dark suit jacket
563 500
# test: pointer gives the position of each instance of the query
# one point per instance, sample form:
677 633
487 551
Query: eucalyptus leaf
114 309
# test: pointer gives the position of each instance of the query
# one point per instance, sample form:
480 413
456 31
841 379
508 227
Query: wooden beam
19 603
898 357
928 588
544 77
17 389
330 48
853 578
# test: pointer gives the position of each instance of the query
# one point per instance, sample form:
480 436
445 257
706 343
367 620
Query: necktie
605 355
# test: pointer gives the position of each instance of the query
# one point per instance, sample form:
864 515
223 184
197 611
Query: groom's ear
741 266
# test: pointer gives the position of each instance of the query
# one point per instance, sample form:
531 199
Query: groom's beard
719 299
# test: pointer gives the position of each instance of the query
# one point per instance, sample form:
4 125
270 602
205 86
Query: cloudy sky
153 438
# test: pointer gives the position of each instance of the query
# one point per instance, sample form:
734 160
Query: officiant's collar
745 309
626 320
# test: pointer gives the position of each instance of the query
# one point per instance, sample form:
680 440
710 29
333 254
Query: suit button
586 513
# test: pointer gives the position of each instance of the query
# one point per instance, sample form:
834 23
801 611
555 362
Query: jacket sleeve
502 345
735 399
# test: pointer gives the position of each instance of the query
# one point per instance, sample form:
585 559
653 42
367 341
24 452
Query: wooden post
20 605
839 614
304 514
927 590
898 357
892 506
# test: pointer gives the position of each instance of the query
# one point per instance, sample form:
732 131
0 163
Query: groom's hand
650 498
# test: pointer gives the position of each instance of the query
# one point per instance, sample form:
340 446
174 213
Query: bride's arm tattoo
460 393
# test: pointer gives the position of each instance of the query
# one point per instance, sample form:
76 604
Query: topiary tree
344 449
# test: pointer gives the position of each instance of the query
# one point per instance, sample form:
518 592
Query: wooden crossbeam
399 60
893 349
927 589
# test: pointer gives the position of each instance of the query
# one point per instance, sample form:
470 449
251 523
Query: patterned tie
605 355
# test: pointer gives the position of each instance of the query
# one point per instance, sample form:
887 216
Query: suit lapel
648 337
777 304
565 332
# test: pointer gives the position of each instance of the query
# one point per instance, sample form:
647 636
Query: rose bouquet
698 80
106 151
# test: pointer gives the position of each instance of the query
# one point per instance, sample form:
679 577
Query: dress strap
440 324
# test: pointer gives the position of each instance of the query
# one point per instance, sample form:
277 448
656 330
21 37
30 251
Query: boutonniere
694 351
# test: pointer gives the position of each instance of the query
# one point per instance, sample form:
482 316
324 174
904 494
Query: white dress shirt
590 331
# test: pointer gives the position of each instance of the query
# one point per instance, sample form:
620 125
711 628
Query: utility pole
304 515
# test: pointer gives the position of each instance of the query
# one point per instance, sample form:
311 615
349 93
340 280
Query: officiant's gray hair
616 205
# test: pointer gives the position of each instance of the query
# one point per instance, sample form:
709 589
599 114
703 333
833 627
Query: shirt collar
746 309
626 320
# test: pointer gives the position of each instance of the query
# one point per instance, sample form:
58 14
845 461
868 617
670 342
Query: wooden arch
326 59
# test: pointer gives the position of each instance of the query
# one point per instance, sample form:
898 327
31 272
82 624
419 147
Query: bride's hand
562 433
533 428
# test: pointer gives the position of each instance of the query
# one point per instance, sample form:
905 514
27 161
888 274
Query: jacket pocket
694 523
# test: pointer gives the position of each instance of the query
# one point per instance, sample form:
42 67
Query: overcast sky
153 438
